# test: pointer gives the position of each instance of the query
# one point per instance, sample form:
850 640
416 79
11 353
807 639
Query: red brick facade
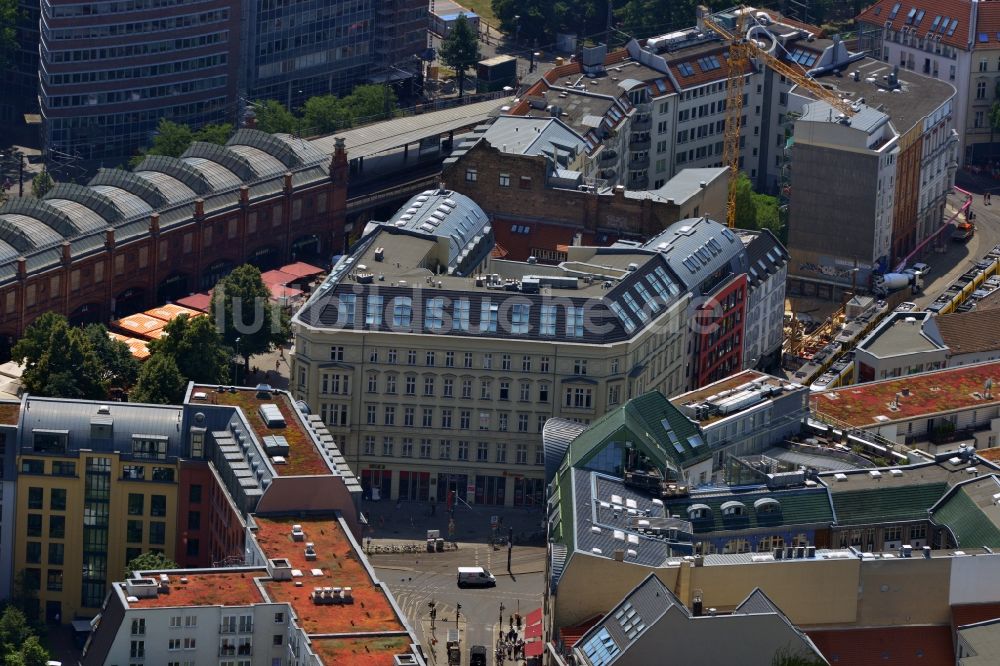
718 345
209 527
302 221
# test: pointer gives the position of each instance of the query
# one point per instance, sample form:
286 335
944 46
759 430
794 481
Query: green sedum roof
801 507
887 504
972 528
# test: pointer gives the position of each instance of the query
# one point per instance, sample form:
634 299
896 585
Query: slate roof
810 506
970 332
126 419
970 513
525 135
557 435
957 11
696 248
886 504
765 256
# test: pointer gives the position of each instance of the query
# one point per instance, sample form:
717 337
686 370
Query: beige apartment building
435 365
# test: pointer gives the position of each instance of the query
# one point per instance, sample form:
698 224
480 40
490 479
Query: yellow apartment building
97 486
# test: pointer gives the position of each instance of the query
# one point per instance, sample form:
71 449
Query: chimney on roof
700 12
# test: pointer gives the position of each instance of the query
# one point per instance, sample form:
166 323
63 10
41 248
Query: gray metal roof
696 248
218 176
557 435
393 134
681 187
128 419
866 119
595 507
173 190
263 164
525 135
446 215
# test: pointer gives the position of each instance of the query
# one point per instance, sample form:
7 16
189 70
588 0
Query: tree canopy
251 323
118 368
172 139
9 14
59 361
149 561
273 117
160 382
460 49
19 646
196 348
758 211
41 184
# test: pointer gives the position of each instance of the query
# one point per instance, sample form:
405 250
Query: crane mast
741 49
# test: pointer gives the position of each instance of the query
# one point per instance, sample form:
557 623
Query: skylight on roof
919 18
911 14
895 10
951 28
934 25
944 24
708 63
983 37
685 69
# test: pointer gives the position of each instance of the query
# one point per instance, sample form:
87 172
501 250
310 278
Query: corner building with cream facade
435 365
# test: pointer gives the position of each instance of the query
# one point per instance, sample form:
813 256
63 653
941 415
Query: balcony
644 107
639 182
638 161
642 122
638 143
607 158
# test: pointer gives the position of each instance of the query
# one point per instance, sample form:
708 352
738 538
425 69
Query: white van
476 577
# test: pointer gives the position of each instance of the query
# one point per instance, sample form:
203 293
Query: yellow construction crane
740 51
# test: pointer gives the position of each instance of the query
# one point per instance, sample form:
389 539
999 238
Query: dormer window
733 509
699 512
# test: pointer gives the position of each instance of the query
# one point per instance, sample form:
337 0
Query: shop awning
301 270
534 617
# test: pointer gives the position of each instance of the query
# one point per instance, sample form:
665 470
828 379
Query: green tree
149 561
197 349
171 139
67 367
325 114
746 210
118 367
9 15
537 21
41 184
242 304
14 629
160 382
30 653
214 133
35 341
273 117
791 657
371 101
460 50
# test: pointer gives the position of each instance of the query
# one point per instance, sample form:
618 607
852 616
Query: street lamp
517 29
236 364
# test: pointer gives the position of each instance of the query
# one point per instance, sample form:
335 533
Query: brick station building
129 240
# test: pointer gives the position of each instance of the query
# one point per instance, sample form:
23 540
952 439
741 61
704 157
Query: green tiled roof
641 421
796 508
888 504
971 527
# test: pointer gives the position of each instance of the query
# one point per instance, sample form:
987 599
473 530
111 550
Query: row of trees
85 363
172 139
327 113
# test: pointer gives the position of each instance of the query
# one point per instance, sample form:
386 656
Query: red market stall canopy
534 617
277 277
533 649
141 325
201 302
301 270
138 348
171 311
281 292
533 631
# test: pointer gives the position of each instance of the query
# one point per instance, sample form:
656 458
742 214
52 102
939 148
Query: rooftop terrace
367 651
304 457
927 393
341 566
204 587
